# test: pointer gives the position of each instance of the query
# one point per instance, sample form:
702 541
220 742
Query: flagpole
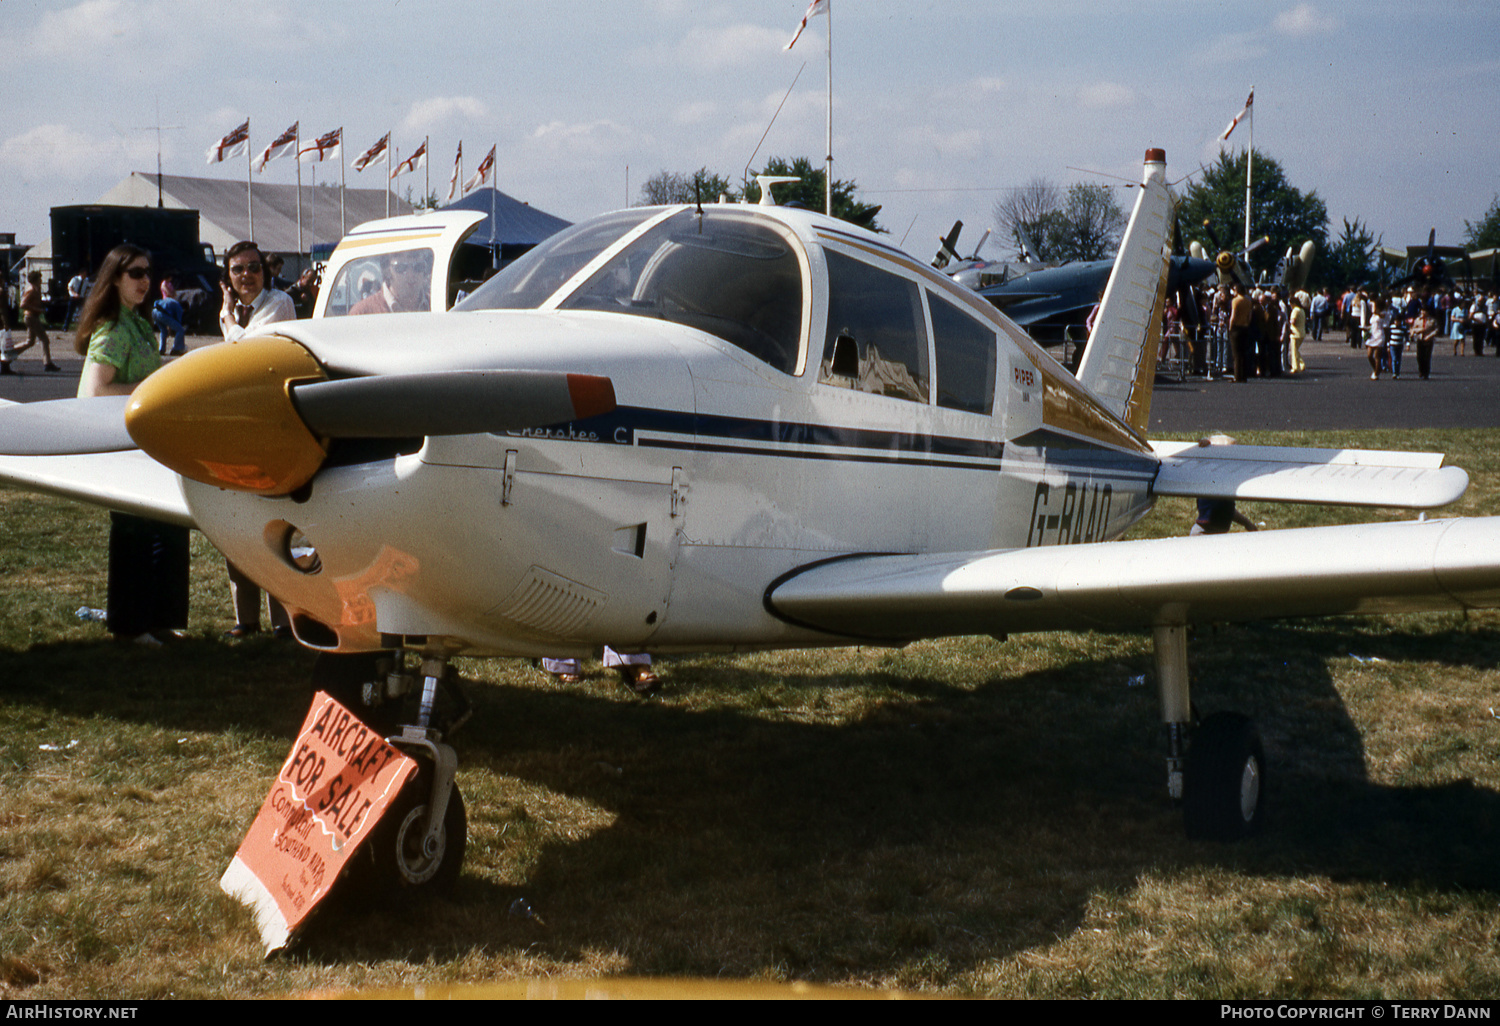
427 166
828 162
343 181
297 152
390 155
249 197
1249 171
494 226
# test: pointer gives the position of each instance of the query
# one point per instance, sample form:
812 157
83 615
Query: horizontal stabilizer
1410 566
1335 477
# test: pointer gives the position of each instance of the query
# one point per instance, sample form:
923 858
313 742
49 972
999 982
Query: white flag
458 162
814 9
284 146
411 163
232 145
324 147
1240 116
374 153
482 175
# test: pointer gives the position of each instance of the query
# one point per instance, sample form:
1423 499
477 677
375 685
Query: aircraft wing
1409 566
1341 477
130 482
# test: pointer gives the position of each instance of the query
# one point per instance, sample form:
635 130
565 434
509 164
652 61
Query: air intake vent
551 605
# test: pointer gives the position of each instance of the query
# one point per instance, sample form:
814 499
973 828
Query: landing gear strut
1216 768
420 842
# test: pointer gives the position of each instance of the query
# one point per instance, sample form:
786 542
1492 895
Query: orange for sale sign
331 791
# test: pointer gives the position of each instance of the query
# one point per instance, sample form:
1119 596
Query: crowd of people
1235 333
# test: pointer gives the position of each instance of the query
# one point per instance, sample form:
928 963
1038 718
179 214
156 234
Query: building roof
224 217
513 223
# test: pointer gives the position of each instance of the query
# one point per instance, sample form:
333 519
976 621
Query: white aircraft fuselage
661 524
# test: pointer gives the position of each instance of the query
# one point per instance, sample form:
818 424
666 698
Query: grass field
965 817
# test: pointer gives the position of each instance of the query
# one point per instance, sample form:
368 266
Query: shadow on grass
945 825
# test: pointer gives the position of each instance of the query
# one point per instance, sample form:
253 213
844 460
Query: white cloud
714 48
57 152
85 27
1106 94
440 112
1305 20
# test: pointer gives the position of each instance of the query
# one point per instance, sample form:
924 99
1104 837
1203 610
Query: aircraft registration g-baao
730 428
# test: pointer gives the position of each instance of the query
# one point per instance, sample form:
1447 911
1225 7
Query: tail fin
1119 366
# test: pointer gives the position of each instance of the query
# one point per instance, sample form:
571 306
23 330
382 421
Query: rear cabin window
964 350
877 337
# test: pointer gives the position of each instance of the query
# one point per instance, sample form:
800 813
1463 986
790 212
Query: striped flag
411 163
1240 116
814 9
482 175
374 153
458 162
285 145
324 146
232 145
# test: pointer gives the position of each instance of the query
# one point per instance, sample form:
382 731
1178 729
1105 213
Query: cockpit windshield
724 272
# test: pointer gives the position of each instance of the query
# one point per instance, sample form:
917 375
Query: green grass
964 817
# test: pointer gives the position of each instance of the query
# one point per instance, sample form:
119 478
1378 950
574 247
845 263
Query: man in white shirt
248 304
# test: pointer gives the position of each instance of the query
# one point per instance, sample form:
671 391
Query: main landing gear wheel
1224 784
399 858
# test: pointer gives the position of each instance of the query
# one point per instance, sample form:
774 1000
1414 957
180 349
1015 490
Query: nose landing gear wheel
1224 784
398 857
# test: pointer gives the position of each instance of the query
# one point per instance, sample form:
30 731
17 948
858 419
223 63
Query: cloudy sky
1385 109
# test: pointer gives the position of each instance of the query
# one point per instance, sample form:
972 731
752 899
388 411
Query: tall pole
298 153
343 181
249 199
828 161
1249 171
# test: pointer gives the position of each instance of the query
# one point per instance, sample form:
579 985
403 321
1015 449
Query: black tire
1224 786
391 862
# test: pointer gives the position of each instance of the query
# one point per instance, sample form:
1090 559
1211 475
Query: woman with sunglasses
117 344
148 560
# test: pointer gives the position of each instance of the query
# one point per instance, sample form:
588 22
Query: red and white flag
324 147
232 145
285 145
1240 116
411 163
814 9
374 153
458 162
482 175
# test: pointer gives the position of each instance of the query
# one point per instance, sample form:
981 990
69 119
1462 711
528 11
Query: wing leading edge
130 482
1410 566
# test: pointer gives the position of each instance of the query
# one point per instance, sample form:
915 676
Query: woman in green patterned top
118 344
148 560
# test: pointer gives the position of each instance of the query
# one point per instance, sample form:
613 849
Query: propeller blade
65 427
449 402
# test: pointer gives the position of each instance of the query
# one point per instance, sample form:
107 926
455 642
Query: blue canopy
513 223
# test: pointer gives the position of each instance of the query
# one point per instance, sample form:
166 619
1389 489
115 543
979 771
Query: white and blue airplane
731 428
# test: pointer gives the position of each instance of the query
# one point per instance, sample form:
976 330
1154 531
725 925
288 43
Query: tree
1089 226
1484 234
703 185
1287 215
1352 260
809 191
1023 215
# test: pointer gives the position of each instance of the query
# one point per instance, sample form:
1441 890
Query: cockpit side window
964 349
877 335
386 283
728 276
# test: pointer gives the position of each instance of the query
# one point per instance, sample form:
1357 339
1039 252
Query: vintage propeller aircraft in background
730 428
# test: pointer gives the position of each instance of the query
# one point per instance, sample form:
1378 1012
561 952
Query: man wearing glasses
406 284
248 304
